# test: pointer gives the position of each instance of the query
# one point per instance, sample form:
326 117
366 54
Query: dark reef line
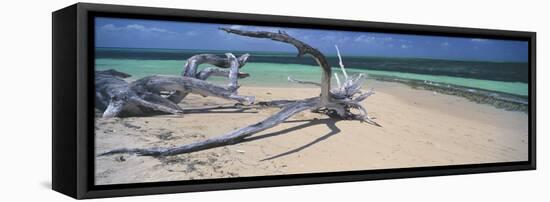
499 100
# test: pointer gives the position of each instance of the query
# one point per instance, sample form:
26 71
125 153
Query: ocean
273 68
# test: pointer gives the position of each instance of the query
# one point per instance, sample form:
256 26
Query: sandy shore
420 128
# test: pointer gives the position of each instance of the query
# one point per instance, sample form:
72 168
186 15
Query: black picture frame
73 93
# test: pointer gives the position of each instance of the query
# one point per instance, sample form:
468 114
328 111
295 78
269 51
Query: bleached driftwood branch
192 64
303 49
116 97
214 71
337 103
230 138
142 97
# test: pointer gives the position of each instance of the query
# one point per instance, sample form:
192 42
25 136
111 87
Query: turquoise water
141 68
276 74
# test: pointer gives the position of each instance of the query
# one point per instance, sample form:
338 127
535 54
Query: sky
136 33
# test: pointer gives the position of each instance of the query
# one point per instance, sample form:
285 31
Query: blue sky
132 33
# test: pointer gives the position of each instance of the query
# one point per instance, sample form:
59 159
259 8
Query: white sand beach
419 128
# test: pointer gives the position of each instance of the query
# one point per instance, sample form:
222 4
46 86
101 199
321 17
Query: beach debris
120 159
109 131
340 102
117 98
240 151
128 125
166 135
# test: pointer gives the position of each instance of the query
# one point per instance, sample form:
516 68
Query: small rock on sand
128 125
120 159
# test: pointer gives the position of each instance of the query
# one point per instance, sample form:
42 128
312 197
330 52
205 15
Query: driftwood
143 97
303 49
338 102
191 66
116 97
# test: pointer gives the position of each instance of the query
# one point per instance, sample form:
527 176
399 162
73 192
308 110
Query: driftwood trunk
118 98
337 103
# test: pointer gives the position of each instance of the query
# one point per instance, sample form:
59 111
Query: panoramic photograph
179 101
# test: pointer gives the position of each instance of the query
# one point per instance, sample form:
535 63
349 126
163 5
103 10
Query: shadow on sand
329 122
221 109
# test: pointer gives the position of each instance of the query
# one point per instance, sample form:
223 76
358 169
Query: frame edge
64 145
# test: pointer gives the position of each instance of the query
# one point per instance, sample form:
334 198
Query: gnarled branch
192 64
116 97
214 71
303 49
230 138
337 102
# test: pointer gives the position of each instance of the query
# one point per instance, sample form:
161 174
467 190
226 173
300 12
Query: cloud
328 38
445 44
134 27
191 33
404 41
108 27
363 38
331 38
307 37
478 40
387 39
406 46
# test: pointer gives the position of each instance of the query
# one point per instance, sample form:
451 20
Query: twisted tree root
337 103
118 98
